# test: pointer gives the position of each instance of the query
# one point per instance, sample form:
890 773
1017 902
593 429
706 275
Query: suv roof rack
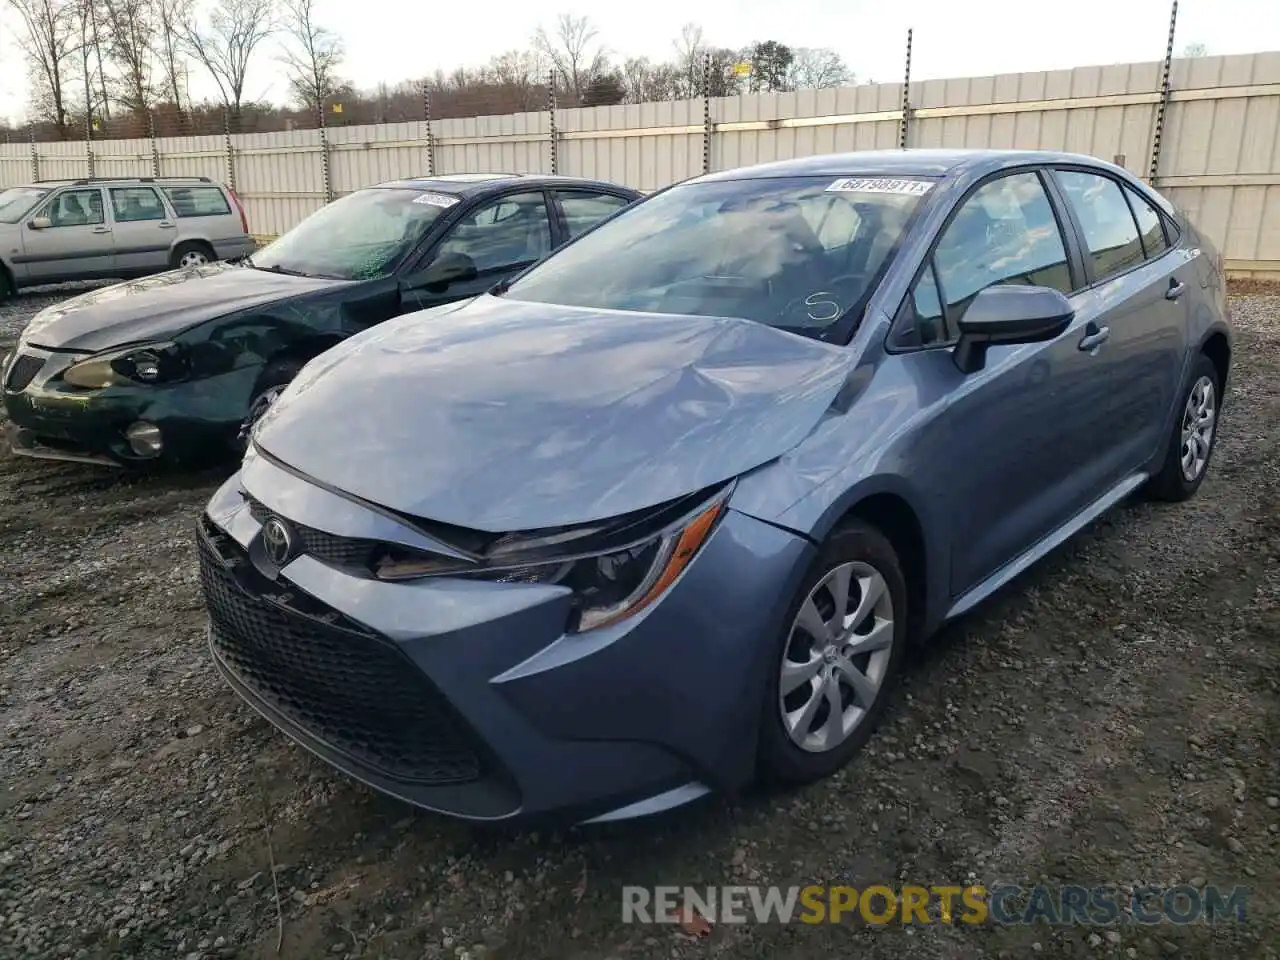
85 181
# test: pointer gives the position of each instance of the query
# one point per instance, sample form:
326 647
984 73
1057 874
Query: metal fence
1205 131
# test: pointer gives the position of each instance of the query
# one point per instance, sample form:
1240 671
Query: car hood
503 416
160 306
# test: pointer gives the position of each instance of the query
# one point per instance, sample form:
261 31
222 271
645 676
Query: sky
393 40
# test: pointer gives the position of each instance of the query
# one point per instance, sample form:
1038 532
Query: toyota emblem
277 541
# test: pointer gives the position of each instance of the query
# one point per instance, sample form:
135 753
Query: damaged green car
177 367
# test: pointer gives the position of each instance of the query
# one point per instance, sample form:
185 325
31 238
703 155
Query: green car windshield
361 236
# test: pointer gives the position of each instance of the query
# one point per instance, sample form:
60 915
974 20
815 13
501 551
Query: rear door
1136 297
77 244
579 209
142 230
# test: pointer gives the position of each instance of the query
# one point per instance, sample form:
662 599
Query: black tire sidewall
277 373
185 247
1170 484
779 758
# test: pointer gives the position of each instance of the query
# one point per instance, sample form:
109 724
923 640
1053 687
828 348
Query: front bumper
467 698
50 420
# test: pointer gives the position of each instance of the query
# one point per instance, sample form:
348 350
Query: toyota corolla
667 513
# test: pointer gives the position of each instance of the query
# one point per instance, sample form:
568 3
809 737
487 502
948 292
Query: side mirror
448 269
39 223
1008 315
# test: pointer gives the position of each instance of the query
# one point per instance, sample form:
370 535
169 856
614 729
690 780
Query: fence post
231 159
88 141
551 109
706 112
35 154
155 147
325 174
426 112
1163 105
906 99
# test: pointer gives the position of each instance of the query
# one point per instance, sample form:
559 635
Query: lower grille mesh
342 684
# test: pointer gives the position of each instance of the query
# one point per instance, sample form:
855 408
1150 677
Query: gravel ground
1114 717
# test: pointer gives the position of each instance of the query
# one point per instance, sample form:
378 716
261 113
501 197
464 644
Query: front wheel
841 651
271 383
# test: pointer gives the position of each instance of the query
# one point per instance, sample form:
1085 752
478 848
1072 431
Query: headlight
141 363
608 586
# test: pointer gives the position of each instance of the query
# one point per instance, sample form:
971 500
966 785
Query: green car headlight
140 364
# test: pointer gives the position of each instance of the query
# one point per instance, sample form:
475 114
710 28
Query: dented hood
501 416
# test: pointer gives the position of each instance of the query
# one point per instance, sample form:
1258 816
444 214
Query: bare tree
312 55
225 43
571 52
524 73
130 25
817 69
48 40
167 44
691 49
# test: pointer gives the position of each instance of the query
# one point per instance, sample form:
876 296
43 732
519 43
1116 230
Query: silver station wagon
116 227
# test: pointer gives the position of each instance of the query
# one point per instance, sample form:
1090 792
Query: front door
501 238
141 229
1016 434
77 244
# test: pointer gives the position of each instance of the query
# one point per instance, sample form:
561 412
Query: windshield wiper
276 268
501 287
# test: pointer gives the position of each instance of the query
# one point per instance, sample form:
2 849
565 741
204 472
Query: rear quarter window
198 201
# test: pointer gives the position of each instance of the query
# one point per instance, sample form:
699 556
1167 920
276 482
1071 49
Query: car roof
901 163
93 181
475 184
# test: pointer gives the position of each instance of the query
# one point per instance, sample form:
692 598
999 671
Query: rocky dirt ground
1112 718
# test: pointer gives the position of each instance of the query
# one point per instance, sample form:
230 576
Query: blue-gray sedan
666 513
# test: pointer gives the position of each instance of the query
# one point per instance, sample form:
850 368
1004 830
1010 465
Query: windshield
801 253
359 237
17 201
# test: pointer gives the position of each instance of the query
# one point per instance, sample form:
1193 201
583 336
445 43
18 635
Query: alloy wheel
1199 419
193 258
837 657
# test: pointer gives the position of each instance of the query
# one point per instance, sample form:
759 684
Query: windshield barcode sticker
911 188
436 199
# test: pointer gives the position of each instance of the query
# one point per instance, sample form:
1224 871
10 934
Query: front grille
329 548
22 372
338 681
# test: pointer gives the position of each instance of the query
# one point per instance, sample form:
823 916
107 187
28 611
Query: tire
1177 481
191 253
275 376
7 289
869 558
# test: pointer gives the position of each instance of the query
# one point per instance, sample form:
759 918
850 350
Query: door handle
101 229
1095 338
165 225
1176 287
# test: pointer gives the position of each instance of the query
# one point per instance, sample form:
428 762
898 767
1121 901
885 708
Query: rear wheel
838 658
271 383
1192 439
191 253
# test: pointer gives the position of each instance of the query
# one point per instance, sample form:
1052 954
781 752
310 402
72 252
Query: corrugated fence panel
1220 157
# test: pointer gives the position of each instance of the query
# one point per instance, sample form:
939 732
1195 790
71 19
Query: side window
76 208
1005 232
1150 224
197 201
513 230
583 210
131 204
1110 232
